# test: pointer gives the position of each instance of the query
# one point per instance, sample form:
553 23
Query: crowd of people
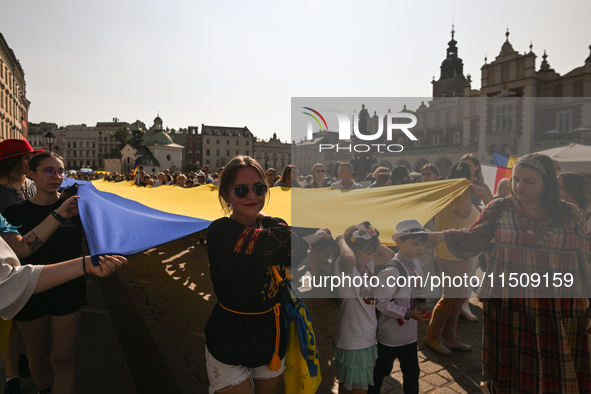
530 345
538 217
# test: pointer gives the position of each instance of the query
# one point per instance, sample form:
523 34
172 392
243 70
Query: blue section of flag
116 225
500 159
296 311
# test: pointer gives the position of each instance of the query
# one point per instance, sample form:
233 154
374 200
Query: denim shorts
227 376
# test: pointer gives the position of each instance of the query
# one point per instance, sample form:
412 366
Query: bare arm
347 255
29 243
56 274
488 197
437 236
462 206
383 255
483 192
322 233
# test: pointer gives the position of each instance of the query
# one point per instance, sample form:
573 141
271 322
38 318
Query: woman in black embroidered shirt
248 255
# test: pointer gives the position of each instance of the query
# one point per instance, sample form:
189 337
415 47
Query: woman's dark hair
551 193
368 245
287 174
478 177
39 157
577 185
431 167
382 178
459 170
229 175
399 172
317 165
11 166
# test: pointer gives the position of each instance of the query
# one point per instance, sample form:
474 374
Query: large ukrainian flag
126 219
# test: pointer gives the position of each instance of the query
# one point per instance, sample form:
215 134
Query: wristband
84 265
58 217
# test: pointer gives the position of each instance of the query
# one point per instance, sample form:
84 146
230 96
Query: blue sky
238 63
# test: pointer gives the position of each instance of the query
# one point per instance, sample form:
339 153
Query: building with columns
14 106
272 153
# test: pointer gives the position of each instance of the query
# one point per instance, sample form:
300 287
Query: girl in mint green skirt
355 350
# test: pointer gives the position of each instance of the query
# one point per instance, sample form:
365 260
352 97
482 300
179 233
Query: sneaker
441 349
13 386
466 313
23 366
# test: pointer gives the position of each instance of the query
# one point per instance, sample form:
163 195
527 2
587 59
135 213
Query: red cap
15 147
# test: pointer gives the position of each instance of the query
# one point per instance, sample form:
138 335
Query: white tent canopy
573 157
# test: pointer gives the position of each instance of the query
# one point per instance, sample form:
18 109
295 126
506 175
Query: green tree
188 167
122 135
114 153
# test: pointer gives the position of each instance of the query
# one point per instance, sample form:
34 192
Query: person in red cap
15 187
14 165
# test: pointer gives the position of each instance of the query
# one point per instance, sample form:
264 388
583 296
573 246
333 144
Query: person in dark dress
249 254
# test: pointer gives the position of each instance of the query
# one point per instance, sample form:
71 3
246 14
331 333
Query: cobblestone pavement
152 341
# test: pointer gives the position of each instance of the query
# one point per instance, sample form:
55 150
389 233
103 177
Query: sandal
487 387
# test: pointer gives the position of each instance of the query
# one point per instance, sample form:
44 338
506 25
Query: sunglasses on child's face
259 189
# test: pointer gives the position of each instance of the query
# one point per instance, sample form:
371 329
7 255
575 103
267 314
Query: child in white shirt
396 298
355 348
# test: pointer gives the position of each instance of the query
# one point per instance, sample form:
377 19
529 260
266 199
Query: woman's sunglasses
320 170
259 189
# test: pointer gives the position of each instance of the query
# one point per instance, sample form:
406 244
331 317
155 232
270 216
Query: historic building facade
193 146
106 141
14 106
80 148
518 109
220 144
155 151
272 153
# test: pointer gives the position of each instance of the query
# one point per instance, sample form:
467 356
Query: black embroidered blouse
240 267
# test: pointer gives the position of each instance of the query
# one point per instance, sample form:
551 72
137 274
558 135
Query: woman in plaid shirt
535 322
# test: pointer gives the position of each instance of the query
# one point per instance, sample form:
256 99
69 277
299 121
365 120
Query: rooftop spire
507 34
545 66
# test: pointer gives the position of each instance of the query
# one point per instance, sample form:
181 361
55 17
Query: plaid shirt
531 345
530 249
